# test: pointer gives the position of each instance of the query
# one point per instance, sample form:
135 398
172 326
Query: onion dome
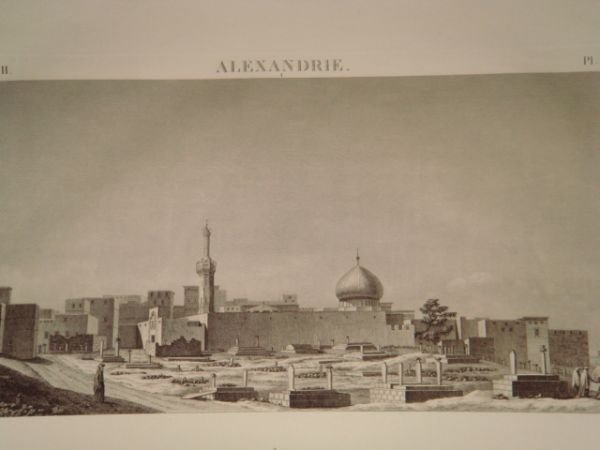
359 284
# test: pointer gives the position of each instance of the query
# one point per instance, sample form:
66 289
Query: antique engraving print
353 244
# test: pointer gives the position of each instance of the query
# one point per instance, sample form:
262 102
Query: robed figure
575 382
99 384
584 383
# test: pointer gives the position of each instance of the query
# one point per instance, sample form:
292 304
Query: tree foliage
435 322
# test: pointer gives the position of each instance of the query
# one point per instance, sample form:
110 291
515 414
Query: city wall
569 348
187 327
278 329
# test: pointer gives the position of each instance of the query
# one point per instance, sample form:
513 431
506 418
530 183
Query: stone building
131 311
19 330
164 301
158 333
61 332
45 329
69 325
527 336
105 309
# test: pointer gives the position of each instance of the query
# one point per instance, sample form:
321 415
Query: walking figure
584 383
99 384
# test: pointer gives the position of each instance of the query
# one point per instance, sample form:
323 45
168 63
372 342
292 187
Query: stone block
530 386
317 398
411 393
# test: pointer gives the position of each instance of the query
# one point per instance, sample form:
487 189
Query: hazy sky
482 191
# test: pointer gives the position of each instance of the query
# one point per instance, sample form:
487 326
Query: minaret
206 270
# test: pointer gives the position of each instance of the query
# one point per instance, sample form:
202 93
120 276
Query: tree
435 322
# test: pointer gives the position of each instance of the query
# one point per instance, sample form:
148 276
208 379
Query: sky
481 191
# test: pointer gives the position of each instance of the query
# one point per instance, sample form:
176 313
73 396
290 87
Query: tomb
364 351
256 350
302 349
110 358
461 359
387 392
310 398
226 393
530 385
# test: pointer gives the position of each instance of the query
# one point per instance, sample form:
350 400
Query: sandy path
65 376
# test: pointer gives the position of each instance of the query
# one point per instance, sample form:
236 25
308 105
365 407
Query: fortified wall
569 348
275 330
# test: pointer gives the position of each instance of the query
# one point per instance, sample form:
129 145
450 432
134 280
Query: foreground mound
21 395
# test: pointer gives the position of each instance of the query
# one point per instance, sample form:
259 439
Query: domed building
359 289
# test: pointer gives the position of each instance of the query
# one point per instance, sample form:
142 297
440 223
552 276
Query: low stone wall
81 343
180 347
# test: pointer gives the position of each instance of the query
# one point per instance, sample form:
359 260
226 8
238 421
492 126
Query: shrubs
158 376
185 381
224 364
124 372
468 369
465 378
269 369
311 375
425 373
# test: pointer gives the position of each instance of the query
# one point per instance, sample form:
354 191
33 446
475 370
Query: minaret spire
206 268
357 258
206 243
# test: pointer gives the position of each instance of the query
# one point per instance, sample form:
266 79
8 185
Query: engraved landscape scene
375 244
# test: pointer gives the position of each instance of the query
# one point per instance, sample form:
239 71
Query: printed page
273 225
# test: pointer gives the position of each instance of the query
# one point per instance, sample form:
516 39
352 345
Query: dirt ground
163 389
22 395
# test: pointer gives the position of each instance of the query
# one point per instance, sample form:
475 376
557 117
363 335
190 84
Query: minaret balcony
206 265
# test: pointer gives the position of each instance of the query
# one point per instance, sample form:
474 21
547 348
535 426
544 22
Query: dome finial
357 258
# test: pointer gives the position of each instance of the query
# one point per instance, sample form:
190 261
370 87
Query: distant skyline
481 191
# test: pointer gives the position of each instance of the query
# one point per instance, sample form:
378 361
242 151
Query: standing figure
575 382
584 383
99 384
